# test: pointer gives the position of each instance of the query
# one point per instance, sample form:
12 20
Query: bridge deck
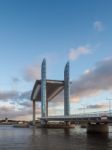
93 117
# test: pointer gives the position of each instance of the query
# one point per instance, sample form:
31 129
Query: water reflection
67 132
101 140
53 139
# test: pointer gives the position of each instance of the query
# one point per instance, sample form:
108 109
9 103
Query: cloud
32 73
97 106
14 114
82 50
6 95
98 26
24 112
15 79
94 81
13 111
56 108
25 95
16 97
26 103
6 108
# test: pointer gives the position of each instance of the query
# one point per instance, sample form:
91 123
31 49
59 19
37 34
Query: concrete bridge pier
97 128
67 123
43 123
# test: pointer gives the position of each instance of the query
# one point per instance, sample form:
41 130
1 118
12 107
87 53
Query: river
53 139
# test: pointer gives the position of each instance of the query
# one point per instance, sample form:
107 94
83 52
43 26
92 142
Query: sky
78 31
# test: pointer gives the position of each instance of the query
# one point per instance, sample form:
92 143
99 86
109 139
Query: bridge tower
44 103
43 89
42 93
66 90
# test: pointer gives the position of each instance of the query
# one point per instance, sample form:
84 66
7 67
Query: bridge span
101 117
45 90
94 122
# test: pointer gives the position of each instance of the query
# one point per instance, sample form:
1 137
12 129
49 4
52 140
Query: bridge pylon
45 90
66 90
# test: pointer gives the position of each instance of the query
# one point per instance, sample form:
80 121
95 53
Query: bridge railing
86 115
93 114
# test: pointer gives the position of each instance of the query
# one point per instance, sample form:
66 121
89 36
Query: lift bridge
45 90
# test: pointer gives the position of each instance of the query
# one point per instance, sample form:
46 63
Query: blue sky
59 30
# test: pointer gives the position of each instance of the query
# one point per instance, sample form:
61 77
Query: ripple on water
53 139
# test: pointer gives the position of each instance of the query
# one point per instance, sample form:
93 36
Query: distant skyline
77 31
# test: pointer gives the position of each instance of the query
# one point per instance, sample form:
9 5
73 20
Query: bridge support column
67 123
33 112
66 91
46 108
97 128
43 123
43 89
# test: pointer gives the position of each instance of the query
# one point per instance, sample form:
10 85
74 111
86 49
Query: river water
53 139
